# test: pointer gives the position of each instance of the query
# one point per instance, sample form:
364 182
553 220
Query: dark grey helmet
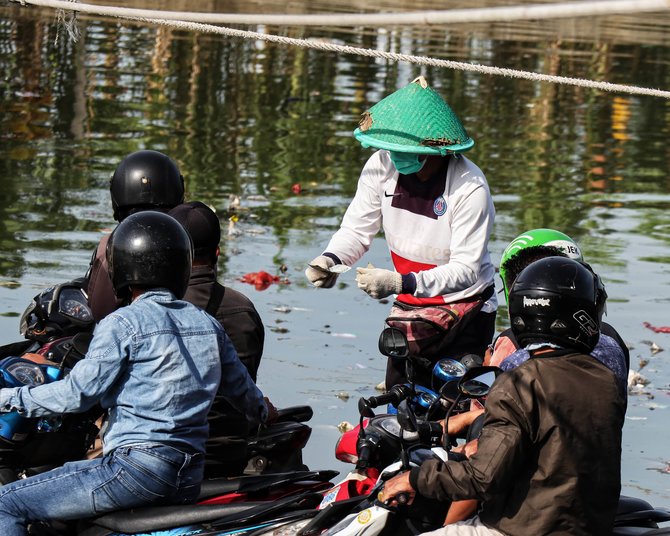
556 300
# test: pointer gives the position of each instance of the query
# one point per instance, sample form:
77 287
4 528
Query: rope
345 49
409 18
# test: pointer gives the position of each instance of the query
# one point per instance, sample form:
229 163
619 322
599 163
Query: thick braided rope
391 56
408 18
408 58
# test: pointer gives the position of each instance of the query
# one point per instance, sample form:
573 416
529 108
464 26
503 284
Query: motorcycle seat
163 517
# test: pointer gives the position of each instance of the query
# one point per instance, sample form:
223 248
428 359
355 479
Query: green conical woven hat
414 119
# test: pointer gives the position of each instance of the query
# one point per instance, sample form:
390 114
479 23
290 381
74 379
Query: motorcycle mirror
404 417
477 382
364 408
393 343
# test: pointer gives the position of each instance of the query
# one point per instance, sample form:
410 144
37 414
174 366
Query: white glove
377 282
318 272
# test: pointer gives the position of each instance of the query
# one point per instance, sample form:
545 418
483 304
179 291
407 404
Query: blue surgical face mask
407 163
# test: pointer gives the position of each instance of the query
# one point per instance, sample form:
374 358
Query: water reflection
253 119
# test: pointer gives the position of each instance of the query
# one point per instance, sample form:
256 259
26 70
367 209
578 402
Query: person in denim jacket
155 365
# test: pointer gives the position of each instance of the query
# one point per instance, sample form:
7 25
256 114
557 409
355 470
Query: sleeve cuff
414 478
264 412
6 400
409 283
335 258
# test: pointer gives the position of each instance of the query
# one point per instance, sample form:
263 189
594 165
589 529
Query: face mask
407 163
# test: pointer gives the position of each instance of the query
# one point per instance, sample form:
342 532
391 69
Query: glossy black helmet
149 249
555 300
145 180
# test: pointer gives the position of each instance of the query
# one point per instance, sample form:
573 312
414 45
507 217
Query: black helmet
145 180
149 249
556 300
57 312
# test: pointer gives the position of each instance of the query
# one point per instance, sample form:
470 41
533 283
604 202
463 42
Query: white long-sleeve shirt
438 230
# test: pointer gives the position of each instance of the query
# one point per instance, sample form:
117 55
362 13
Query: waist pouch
431 329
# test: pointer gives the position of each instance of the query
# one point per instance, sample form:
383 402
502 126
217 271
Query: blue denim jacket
155 365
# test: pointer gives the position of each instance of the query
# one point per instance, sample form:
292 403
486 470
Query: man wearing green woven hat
436 212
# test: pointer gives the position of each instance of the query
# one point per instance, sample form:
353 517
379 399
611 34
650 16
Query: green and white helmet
533 239
415 119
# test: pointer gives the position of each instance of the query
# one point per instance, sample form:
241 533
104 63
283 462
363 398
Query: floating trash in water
343 395
282 309
655 348
656 329
636 382
654 405
344 335
231 225
381 386
360 366
262 280
233 202
345 426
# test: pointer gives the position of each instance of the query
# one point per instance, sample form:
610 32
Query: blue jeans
132 476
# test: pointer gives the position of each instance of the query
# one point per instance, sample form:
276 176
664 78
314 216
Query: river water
270 126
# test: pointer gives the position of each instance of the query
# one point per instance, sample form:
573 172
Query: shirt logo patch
440 206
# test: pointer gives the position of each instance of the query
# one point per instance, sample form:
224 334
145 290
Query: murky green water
251 120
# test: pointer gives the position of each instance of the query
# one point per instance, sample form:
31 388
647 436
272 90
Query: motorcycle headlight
390 425
26 373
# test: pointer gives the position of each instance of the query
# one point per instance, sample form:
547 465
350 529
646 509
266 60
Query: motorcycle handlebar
394 396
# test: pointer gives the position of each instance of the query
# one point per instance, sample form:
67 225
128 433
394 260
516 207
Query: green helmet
537 243
414 119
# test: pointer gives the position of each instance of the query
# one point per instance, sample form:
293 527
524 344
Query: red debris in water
659 329
296 188
261 280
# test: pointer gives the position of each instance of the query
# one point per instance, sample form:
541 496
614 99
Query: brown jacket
101 297
549 455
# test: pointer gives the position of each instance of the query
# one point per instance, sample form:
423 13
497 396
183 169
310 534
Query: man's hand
397 486
377 282
272 411
319 274
460 422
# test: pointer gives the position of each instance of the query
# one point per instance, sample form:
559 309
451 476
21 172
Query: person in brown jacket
549 454
143 180
234 311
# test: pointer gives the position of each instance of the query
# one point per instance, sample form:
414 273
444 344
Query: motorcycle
57 326
240 505
406 440
58 329
367 515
